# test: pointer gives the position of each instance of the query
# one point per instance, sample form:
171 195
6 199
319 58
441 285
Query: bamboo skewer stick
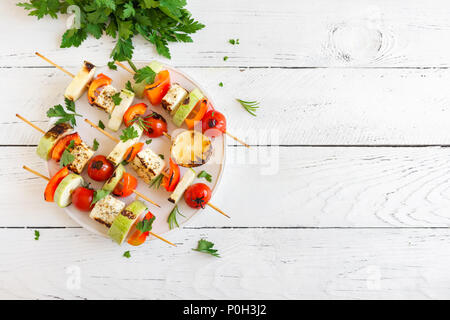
48 179
31 124
104 132
229 134
55 65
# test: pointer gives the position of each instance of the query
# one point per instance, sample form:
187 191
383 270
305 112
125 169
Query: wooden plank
285 187
291 33
255 264
298 106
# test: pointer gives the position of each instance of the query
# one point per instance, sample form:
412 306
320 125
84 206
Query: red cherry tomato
126 185
100 168
214 124
82 198
155 125
197 195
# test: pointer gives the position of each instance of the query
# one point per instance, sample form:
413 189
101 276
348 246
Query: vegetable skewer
163 173
229 134
42 131
48 179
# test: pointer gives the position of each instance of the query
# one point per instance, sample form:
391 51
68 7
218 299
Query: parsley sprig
67 157
64 116
206 247
206 175
159 22
129 133
145 225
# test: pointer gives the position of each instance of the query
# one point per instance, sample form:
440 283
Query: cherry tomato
100 168
155 125
82 198
197 195
214 124
126 185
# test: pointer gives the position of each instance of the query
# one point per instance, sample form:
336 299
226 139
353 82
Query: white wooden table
357 95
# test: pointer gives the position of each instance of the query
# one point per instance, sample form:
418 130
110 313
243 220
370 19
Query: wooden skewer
55 65
48 179
104 132
31 124
120 64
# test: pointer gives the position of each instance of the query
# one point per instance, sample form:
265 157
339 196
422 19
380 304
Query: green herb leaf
112 65
146 75
206 175
127 254
250 106
95 145
99 195
206 247
64 116
156 181
128 86
70 105
67 158
116 98
161 156
172 218
148 141
145 225
37 234
101 125
225 58
220 84
129 133
233 41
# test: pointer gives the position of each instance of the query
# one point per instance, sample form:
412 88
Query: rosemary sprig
172 219
249 106
156 181
142 123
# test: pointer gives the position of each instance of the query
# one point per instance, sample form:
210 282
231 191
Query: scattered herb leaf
206 175
129 133
128 86
101 125
37 234
99 195
66 157
148 141
127 254
250 106
220 84
233 41
161 156
95 145
145 225
225 58
206 247
64 116
116 98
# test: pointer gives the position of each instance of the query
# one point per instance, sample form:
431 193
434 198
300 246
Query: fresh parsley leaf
145 225
101 125
206 175
116 98
249 106
146 75
156 181
221 84
67 158
148 141
99 195
123 49
206 247
73 38
70 105
127 254
161 156
64 116
37 234
129 133
233 41
128 10
112 65
95 145
128 86
225 58
172 218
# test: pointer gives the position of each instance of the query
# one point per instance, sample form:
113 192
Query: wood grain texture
272 33
255 264
298 187
301 106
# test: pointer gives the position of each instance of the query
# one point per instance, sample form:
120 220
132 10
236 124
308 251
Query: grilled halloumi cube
173 98
147 164
106 210
104 100
82 155
80 82
117 154
50 138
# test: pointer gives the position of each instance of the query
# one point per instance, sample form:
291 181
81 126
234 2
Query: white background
359 208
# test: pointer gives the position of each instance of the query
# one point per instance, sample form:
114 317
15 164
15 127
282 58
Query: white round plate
159 145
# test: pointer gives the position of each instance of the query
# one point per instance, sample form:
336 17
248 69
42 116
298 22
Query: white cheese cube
82 155
173 98
80 82
106 210
147 165
104 100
